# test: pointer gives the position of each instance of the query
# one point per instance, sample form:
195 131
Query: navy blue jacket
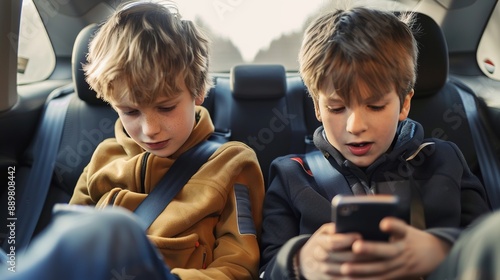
451 195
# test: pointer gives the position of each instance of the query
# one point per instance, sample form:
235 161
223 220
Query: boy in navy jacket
361 81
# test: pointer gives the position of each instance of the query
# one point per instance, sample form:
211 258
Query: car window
256 31
36 59
251 31
261 31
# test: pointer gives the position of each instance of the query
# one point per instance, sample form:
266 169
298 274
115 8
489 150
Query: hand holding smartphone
362 214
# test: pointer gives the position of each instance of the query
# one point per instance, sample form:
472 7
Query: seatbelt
488 163
172 182
32 197
329 180
331 183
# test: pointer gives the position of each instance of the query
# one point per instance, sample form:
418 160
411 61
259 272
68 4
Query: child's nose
151 125
356 122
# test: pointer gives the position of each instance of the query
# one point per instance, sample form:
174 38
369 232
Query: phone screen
362 214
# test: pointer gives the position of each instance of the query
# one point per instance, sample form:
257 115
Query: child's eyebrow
375 98
167 101
334 98
123 107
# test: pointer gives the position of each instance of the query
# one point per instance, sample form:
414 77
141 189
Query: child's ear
318 115
405 108
199 99
316 110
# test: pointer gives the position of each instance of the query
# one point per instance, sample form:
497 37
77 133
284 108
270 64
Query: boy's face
361 131
162 127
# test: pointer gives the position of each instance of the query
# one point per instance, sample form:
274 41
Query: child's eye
336 110
130 112
167 109
376 108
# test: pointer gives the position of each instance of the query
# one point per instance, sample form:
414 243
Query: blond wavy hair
144 47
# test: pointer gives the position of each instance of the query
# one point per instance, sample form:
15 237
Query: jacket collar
407 140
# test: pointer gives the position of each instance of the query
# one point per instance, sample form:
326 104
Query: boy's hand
411 253
324 253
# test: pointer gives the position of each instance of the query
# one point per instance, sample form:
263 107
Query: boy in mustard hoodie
151 66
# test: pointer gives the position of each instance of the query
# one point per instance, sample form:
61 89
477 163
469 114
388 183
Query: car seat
264 107
438 105
88 120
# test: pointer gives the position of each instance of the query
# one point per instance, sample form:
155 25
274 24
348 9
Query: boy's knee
116 219
95 226
486 230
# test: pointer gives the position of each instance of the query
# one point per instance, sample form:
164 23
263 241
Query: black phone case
363 215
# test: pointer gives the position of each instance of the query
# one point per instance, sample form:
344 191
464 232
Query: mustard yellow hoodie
206 232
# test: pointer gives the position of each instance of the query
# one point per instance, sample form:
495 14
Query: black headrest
79 57
258 81
432 67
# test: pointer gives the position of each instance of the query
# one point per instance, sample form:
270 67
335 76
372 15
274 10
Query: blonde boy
152 68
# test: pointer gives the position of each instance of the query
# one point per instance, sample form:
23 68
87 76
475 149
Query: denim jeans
84 243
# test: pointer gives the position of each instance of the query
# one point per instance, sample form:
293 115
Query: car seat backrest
89 121
258 82
437 103
261 106
78 58
432 65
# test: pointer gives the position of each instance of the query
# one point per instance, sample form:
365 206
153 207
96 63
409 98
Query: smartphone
362 214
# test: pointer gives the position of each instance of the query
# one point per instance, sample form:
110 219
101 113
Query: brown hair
146 46
346 51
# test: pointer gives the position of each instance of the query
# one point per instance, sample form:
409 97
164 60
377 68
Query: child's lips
360 149
157 145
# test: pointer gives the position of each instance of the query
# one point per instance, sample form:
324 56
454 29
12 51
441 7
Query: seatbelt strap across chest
33 195
172 182
329 180
331 183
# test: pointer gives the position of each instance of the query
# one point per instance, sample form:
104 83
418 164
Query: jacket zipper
144 163
112 201
143 171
